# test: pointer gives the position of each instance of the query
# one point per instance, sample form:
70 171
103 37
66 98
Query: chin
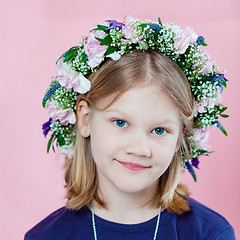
134 187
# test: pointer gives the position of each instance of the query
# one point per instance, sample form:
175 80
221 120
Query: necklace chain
95 231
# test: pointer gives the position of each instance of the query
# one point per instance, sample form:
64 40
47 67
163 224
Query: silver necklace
95 231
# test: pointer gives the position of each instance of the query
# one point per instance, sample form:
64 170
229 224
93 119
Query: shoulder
59 224
203 223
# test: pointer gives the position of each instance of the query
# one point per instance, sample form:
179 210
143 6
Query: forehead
148 100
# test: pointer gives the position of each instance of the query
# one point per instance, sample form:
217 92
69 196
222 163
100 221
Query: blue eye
120 123
159 131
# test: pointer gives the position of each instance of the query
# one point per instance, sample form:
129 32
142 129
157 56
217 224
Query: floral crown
112 39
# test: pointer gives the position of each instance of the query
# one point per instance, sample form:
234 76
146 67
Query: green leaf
110 50
220 126
60 139
180 64
223 109
143 25
100 27
106 40
52 138
224 115
202 42
84 57
223 82
156 34
99 39
201 151
160 22
207 78
63 55
70 54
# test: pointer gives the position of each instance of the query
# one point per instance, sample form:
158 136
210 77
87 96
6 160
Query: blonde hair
113 78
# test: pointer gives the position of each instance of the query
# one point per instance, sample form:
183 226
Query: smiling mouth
133 166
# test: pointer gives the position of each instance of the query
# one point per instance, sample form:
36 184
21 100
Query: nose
138 144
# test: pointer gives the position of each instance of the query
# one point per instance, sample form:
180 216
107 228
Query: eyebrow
164 121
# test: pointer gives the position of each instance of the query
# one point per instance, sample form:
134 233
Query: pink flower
129 31
184 38
93 49
64 116
69 78
201 137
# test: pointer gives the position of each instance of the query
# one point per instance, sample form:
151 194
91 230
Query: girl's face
133 141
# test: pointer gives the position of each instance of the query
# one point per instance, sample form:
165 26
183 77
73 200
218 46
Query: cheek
164 152
103 144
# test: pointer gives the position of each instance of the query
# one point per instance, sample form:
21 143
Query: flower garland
112 39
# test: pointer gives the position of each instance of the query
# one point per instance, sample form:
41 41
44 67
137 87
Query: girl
129 108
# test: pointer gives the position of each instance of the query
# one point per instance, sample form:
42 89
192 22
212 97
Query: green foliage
60 139
101 27
143 25
224 115
104 41
220 126
223 82
159 21
110 50
51 140
156 34
202 42
70 54
84 57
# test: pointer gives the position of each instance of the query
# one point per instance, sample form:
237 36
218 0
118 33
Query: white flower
67 150
114 56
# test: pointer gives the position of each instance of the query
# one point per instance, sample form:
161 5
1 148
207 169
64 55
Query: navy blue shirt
198 224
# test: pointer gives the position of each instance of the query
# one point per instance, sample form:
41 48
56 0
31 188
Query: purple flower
191 170
46 127
195 162
155 26
221 81
114 24
200 41
50 92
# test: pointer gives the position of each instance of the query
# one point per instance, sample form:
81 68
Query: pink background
34 33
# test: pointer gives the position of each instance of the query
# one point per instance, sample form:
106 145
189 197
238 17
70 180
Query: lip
133 166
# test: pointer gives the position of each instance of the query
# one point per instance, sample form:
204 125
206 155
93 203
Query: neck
126 208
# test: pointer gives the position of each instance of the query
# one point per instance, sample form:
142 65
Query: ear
83 116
